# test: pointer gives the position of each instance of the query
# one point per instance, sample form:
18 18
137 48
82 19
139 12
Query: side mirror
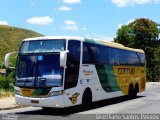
63 58
7 59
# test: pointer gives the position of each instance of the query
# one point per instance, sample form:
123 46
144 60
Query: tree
143 34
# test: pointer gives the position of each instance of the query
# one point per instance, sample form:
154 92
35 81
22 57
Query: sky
84 18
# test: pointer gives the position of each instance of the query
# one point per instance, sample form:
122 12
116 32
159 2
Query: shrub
6 83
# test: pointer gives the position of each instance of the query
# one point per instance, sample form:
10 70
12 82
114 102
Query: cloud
70 25
130 21
64 8
70 22
124 3
74 27
40 20
106 38
71 1
84 28
31 2
120 25
99 37
4 23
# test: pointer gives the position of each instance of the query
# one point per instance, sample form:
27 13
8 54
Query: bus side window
73 62
142 58
114 56
86 56
95 54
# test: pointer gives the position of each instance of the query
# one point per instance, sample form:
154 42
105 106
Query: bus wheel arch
87 98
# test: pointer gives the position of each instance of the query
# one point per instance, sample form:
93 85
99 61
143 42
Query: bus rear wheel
131 92
136 89
46 108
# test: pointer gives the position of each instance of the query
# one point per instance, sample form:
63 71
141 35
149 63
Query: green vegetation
6 84
143 34
10 39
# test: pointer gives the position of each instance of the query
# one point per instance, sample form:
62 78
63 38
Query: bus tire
136 89
87 98
131 92
46 108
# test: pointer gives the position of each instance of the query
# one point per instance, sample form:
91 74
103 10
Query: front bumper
54 102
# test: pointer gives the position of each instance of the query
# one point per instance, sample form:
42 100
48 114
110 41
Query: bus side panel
108 81
88 79
127 75
105 81
94 77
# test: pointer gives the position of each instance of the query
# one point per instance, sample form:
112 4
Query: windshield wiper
32 70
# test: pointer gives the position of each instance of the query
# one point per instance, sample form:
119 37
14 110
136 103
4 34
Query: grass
5 93
11 37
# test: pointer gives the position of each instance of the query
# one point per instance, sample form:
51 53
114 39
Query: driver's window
73 61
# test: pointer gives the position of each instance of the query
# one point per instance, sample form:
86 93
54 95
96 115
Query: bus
64 71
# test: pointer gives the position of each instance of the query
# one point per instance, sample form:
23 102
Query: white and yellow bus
63 71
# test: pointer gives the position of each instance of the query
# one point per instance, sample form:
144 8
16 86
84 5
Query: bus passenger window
114 56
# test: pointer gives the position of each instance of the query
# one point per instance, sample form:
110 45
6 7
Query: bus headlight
17 92
56 93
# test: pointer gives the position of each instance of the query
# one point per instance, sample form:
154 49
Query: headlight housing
17 92
56 93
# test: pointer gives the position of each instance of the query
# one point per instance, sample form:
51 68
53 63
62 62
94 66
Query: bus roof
94 41
112 44
54 37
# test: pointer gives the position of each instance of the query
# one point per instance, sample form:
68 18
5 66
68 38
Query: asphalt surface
147 102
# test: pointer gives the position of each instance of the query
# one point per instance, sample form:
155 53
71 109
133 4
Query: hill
11 37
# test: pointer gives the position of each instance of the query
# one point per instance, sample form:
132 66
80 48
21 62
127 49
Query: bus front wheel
87 98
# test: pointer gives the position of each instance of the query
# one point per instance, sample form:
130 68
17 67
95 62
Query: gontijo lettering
126 71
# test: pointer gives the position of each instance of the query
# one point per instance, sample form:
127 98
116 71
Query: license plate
35 101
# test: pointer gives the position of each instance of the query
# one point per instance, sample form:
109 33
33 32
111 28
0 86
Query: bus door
72 91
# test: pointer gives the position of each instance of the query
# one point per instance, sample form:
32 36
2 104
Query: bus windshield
42 46
39 71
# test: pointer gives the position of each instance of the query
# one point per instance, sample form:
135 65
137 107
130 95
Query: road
147 102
